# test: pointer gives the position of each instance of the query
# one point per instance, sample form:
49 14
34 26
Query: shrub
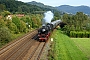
5 35
80 34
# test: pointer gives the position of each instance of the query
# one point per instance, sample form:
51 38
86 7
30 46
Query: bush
80 34
12 26
5 35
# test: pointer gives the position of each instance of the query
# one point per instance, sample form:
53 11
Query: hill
74 9
18 6
37 7
40 4
53 9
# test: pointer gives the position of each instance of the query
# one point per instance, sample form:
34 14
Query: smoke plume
48 16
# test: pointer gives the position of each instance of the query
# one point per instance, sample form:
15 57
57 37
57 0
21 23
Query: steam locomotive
44 31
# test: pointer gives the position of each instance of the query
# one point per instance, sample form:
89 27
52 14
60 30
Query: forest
78 25
21 7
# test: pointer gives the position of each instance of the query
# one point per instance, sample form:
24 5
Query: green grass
14 36
64 48
83 44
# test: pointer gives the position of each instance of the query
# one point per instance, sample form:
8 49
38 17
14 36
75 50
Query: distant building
20 15
9 17
0 17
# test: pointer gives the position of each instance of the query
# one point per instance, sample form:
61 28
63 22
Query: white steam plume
48 16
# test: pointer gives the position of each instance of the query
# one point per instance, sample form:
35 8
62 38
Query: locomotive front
43 33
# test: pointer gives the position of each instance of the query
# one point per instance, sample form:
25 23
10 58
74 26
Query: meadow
64 48
84 45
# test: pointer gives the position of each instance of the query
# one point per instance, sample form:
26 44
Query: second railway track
24 48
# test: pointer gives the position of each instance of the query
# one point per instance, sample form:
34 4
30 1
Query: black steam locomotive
44 31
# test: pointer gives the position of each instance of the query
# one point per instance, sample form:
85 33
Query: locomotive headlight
43 30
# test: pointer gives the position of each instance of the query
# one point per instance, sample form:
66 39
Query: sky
55 3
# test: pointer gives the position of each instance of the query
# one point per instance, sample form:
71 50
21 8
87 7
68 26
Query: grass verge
63 48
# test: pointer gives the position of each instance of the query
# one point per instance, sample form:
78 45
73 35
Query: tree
11 26
34 21
16 21
27 20
24 8
80 17
22 26
88 26
19 9
57 16
66 18
2 23
2 7
5 35
5 13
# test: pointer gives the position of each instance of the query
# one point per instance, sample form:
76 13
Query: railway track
35 51
24 48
